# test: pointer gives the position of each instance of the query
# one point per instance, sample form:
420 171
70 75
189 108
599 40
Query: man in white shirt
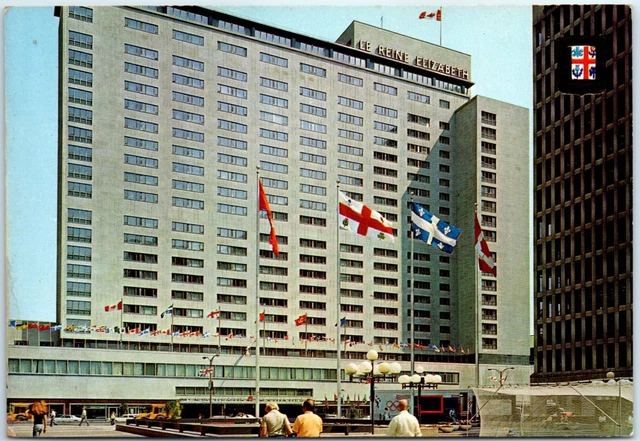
404 424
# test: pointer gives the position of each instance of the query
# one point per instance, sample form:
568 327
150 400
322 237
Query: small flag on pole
431 15
262 315
213 314
301 320
430 229
485 261
168 311
264 205
117 306
362 220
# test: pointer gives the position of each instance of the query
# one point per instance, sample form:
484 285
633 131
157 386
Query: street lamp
611 382
418 381
210 382
367 371
500 377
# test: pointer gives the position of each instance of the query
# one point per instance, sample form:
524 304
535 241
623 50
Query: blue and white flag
432 230
168 311
433 347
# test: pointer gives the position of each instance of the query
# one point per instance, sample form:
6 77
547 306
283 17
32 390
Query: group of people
309 425
39 412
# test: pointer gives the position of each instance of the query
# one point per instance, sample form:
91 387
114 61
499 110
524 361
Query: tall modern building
583 213
168 118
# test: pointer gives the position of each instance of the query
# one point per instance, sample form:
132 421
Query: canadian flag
362 220
431 15
117 306
485 261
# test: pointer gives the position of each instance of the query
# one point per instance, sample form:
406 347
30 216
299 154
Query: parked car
67 419
125 417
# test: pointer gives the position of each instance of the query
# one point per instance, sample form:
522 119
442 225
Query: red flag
262 314
264 205
117 306
44 327
213 314
301 320
451 349
32 326
431 15
485 261
362 220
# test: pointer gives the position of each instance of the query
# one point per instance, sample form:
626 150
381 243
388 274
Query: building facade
583 183
168 118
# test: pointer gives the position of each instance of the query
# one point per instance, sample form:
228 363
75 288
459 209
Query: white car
125 417
67 419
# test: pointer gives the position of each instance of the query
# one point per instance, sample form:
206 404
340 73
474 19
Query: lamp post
416 380
210 382
367 371
500 377
612 381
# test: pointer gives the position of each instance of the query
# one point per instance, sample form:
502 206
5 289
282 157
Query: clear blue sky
498 38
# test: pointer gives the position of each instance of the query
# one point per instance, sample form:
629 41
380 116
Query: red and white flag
431 15
362 220
301 320
213 314
262 316
485 261
264 205
117 306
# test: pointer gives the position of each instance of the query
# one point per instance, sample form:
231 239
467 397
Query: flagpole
338 284
440 25
171 330
219 329
306 333
121 312
477 309
257 293
413 322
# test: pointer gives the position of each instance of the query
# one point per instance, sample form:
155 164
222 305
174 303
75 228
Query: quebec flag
432 230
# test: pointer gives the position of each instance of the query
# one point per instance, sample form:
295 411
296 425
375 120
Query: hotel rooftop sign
418 61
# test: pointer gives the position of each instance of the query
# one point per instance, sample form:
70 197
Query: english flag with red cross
362 220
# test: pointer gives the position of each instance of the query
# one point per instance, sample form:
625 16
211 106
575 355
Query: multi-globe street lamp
418 381
367 371
210 382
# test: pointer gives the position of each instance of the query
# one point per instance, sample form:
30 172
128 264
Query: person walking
274 423
404 424
112 418
84 417
53 417
308 425
39 412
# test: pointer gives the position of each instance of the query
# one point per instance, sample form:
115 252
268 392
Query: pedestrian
112 418
84 417
274 423
452 415
39 412
385 414
53 417
308 425
404 424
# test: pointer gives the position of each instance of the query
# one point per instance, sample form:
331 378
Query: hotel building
168 117
583 191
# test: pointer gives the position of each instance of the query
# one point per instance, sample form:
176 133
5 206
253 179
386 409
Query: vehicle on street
18 412
157 412
67 419
127 416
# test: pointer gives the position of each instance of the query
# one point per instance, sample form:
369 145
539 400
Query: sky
498 38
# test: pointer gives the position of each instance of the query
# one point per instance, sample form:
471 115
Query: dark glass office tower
583 199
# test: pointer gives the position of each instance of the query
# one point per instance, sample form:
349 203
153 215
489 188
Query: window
232 209
272 134
318 71
81 13
313 205
140 143
414 96
349 102
187 186
385 201
232 126
80 135
140 179
144 89
308 157
81 78
78 271
311 142
77 216
189 64
311 93
232 143
354 81
314 221
350 180
232 193
444 104
422 120
274 101
80 40
314 127
385 157
140 107
274 151
187 203
274 84
140 239
141 161
234 251
232 159
311 243
140 51
79 289
385 127
187 81
80 96
379 87
488 162
487 133
274 118
82 116
232 49
188 169
385 186
143 126
445 125
313 110
79 190
233 74
188 116
229 176
140 25
187 228
188 151
275 183
418 134
350 150
144 222
417 148
313 174
488 118
272 38
232 234
232 91
180 244
137 69
385 142
385 111
348 134
272 59
78 307
188 38
277 168
350 119
355 166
